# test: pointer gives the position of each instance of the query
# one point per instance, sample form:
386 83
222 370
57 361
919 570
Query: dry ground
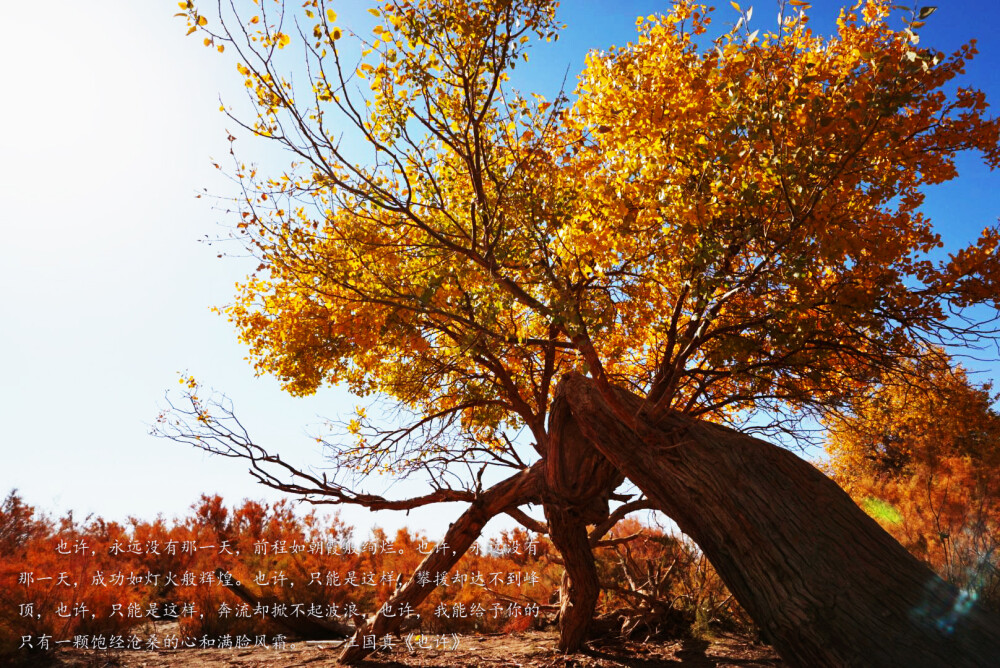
531 648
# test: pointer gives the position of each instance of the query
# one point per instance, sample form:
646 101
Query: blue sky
110 126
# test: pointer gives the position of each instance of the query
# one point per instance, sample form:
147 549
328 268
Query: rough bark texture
826 584
460 536
578 483
580 588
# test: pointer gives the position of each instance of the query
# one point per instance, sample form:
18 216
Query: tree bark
579 481
580 588
517 490
825 583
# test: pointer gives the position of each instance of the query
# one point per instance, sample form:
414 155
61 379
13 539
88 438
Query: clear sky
109 123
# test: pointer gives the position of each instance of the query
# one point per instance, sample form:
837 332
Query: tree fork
825 583
512 492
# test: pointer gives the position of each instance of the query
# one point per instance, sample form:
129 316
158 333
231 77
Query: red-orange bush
53 582
922 456
296 567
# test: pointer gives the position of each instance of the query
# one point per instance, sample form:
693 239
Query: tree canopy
720 225
920 420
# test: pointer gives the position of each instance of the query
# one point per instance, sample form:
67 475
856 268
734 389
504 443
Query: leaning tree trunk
825 583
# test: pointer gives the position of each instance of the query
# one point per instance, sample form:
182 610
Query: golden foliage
726 228
922 456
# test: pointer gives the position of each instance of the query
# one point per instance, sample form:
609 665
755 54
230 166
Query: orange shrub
101 578
663 585
55 583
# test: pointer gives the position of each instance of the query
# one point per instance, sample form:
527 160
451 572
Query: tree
922 455
727 234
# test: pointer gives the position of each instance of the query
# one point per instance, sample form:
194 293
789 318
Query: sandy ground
531 648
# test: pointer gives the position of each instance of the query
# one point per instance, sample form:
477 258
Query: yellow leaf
798 3
221 48
331 15
373 12
736 7
202 20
